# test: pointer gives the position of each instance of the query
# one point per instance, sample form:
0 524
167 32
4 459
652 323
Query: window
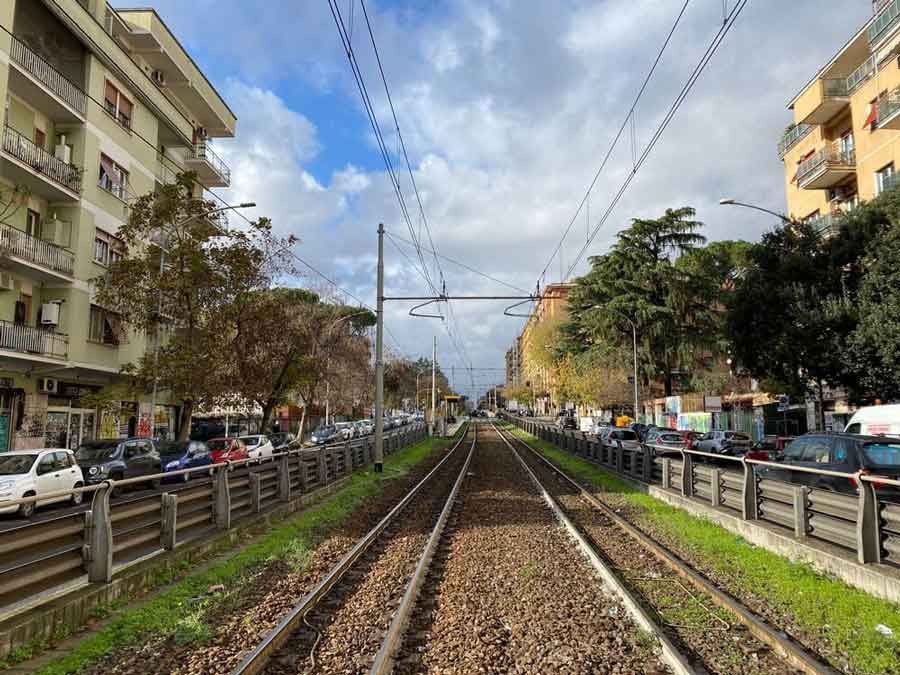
118 105
113 178
33 224
794 450
104 327
817 450
883 178
107 248
847 145
40 138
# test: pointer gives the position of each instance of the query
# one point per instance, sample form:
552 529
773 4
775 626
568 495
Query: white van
876 420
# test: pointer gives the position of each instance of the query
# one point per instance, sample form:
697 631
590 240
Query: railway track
353 596
713 631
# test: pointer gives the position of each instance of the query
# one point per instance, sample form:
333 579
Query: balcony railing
831 156
49 76
888 105
17 243
202 150
792 137
835 87
890 182
886 18
27 340
861 74
825 225
23 149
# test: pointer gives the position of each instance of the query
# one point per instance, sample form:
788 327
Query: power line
691 81
615 141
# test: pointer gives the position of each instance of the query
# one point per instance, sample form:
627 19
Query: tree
400 375
640 280
178 275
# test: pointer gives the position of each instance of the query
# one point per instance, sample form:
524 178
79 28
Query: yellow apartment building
553 305
100 106
842 146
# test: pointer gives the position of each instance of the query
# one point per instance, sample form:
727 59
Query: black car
846 453
567 423
281 440
119 459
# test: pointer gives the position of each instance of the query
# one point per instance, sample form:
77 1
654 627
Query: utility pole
379 357
433 384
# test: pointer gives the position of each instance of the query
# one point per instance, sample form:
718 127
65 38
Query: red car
227 449
689 438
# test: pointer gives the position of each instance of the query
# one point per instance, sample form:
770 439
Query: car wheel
27 510
211 473
78 497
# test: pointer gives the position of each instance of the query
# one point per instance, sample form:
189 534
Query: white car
24 473
258 446
347 430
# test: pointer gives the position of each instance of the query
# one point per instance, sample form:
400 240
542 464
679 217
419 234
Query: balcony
210 169
827 225
868 68
886 19
824 99
889 110
32 341
40 83
35 257
44 174
826 168
791 137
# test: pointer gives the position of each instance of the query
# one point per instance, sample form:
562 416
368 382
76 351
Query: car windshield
96 452
737 437
883 454
10 465
250 440
342 425
174 447
218 444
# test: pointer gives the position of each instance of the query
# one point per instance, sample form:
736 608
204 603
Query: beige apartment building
553 306
842 146
100 106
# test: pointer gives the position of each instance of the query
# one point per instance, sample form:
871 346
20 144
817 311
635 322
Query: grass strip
845 616
174 611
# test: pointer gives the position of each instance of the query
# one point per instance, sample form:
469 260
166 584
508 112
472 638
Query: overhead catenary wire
686 89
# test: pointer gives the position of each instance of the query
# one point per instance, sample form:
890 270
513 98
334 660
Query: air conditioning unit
7 283
57 232
47 385
50 314
62 151
159 77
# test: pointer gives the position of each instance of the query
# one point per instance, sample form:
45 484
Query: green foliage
400 381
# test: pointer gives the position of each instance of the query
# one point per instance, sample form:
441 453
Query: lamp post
162 255
727 201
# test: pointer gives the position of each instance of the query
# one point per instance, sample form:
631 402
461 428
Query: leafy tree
400 380
183 298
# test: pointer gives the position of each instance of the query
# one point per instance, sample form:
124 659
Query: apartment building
100 106
553 306
842 146
514 362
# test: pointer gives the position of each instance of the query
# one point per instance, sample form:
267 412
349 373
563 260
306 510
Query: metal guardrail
40 560
27 340
47 75
862 523
792 137
25 150
202 150
887 15
23 245
830 156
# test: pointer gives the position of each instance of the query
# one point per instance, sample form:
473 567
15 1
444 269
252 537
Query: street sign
784 402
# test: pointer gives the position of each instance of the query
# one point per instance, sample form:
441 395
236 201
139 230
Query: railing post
169 520
648 464
301 472
868 529
715 487
99 536
687 475
749 502
322 467
284 478
620 457
348 459
255 496
666 473
222 498
801 518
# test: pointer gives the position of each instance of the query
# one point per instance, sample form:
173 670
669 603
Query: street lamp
727 201
162 256
634 344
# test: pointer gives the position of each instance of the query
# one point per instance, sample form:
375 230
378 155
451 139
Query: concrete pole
379 357
634 336
433 384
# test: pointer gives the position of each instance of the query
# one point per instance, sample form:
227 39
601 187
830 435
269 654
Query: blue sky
507 108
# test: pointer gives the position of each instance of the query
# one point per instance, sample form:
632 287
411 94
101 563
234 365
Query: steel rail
669 652
257 660
393 640
785 647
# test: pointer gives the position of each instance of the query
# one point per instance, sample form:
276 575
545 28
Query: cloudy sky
507 108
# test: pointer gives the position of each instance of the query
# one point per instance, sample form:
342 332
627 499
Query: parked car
639 428
567 423
876 420
258 446
347 430
227 449
323 435
117 460
24 473
669 442
723 442
624 434
846 453
690 437
655 432
281 440
179 455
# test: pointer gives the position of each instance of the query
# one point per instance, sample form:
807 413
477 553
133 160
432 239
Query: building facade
100 106
553 306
